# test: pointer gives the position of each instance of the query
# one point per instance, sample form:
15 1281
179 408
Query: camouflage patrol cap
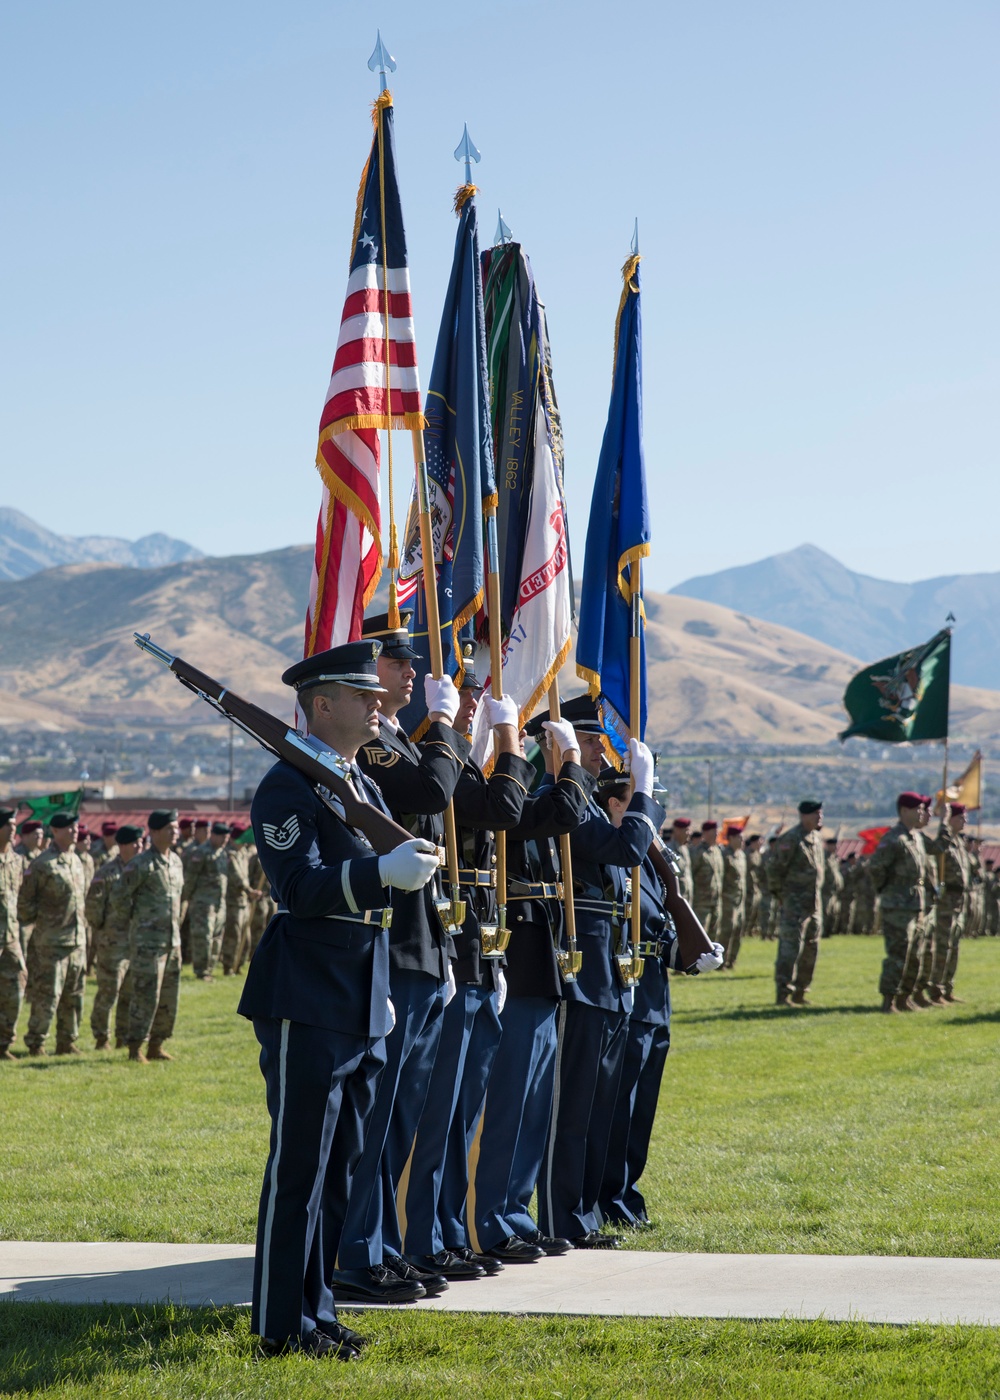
129 835
162 817
61 820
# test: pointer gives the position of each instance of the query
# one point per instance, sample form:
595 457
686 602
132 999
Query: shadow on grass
43 1345
778 1013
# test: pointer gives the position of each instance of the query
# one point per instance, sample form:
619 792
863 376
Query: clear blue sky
817 193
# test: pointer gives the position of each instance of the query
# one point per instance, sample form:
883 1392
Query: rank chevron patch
283 836
380 757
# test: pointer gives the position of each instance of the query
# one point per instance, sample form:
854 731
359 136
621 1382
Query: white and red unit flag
374 385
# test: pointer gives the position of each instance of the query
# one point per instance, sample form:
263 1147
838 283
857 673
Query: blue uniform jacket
603 856
310 965
652 995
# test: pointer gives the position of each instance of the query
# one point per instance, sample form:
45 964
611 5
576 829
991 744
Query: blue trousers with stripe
320 1091
645 1057
371 1231
588 1067
433 1196
507 1156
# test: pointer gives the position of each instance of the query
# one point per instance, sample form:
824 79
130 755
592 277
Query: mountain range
27 547
67 659
811 592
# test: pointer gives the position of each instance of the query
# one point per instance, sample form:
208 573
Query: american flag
373 385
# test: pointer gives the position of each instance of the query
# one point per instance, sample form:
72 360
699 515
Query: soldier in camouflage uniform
32 841
751 908
866 905
833 887
205 881
111 944
236 938
952 905
106 846
147 901
706 874
795 879
52 898
734 893
264 907
898 873
992 905
677 841
768 906
13 974
922 967
849 873
976 911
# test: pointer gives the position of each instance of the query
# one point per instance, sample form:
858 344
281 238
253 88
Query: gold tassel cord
629 288
462 196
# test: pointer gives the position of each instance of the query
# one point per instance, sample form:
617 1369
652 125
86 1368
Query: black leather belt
381 918
608 907
538 889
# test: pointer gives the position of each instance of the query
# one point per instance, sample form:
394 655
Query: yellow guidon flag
967 789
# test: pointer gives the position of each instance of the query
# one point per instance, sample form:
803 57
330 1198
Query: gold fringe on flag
462 196
628 286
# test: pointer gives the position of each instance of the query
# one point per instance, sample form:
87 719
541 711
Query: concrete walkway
867 1288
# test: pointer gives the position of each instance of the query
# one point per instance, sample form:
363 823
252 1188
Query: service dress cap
581 713
470 681
352 664
395 640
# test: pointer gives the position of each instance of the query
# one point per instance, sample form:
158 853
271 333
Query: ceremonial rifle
324 770
692 940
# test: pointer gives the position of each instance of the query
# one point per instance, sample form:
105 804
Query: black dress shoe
485 1261
430 1280
593 1239
548 1244
516 1251
449 1265
318 1343
374 1285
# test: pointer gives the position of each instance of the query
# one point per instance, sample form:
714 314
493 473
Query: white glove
562 733
441 697
451 987
641 767
410 865
502 711
710 962
501 991
392 1015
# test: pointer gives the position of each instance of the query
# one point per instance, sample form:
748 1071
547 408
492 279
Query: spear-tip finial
465 150
503 233
380 60
635 240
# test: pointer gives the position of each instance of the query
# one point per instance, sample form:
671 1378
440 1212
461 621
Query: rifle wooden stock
692 940
383 833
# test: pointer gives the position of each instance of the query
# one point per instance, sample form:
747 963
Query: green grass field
828 1130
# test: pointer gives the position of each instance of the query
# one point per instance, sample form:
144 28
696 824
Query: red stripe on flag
371 299
367 350
368 401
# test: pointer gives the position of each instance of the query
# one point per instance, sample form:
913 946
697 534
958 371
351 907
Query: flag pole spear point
635 239
503 234
466 150
380 60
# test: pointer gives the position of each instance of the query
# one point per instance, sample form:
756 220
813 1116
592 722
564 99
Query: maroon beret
958 809
681 821
28 827
911 799
185 823
82 833
109 828
710 826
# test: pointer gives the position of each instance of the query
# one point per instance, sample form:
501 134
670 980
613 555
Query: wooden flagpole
571 961
635 724
496 688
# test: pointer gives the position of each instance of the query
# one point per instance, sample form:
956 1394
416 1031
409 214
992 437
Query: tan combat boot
155 1051
903 1003
102 1043
922 1000
135 1053
888 1004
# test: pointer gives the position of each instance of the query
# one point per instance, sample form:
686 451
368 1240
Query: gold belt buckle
386 918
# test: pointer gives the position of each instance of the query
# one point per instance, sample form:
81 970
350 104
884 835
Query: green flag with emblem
41 809
904 698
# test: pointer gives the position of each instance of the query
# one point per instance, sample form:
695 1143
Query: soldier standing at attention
110 943
952 899
734 893
833 887
677 841
185 828
237 902
795 878
52 898
32 841
317 992
13 974
751 908
107 846
706 874
83 840
205 883
897 870
147 901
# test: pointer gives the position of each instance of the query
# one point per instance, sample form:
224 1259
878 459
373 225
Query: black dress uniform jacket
603 855
555 808
417 784
484 806
311 965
